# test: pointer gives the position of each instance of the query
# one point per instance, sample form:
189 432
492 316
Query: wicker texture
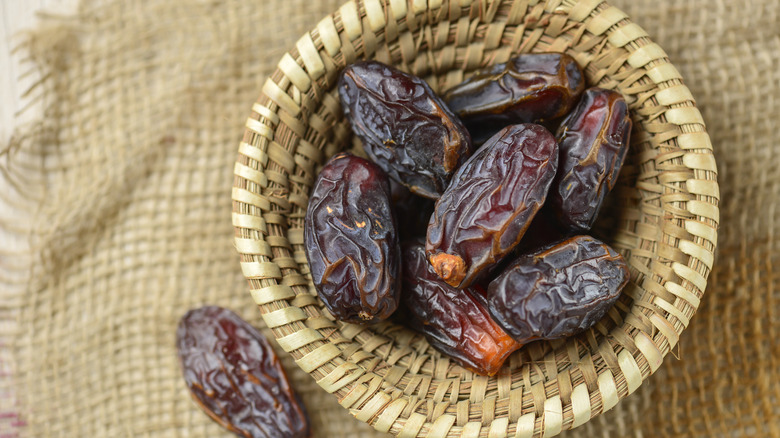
663 217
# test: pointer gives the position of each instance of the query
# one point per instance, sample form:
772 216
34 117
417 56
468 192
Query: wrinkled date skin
405 128
455 321
542 231
558 291
593 142
235 376
493 197
351 240
529 88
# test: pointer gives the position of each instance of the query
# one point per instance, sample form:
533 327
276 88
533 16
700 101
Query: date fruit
492 199
593 142
454 321
351 240
533 87
235 376
405 128
541 232
557 291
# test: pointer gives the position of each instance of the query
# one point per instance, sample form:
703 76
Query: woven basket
662 217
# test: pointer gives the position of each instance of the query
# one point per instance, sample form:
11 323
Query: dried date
454 321
529 88
557 291
235 376
492 199
593 142
541 232
405 128
351 240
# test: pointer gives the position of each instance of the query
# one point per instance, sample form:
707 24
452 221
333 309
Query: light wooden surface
15 17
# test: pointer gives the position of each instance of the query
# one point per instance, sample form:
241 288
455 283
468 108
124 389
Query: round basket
662 217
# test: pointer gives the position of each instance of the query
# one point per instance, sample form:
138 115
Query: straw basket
662 217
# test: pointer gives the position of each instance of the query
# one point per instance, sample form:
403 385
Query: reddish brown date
351 240
493 197
529 88
593 141
454 321
557 291
405 128
235 376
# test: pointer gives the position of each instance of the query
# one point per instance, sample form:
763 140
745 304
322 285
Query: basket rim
276 153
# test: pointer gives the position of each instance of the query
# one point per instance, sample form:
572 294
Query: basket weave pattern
663 216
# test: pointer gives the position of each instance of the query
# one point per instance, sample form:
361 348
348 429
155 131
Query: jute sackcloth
121 193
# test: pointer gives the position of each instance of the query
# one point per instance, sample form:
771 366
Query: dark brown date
454 321
235 376
405 128
593 141
529 88
557 291
493 197
351 240
541 232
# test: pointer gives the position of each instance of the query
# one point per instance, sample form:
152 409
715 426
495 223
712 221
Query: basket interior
662 216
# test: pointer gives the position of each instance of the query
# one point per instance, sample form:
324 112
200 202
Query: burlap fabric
120 218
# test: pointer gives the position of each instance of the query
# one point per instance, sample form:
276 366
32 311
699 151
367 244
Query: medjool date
405 128
533 87
557 291
351 240
492 199
455 321
593 141
235 376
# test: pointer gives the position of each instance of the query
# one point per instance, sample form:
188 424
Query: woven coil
663 216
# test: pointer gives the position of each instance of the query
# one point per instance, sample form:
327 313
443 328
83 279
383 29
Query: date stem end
451 268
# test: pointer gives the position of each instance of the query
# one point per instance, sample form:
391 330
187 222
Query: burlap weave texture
123 191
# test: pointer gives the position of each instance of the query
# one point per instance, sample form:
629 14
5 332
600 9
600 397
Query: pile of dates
470 216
